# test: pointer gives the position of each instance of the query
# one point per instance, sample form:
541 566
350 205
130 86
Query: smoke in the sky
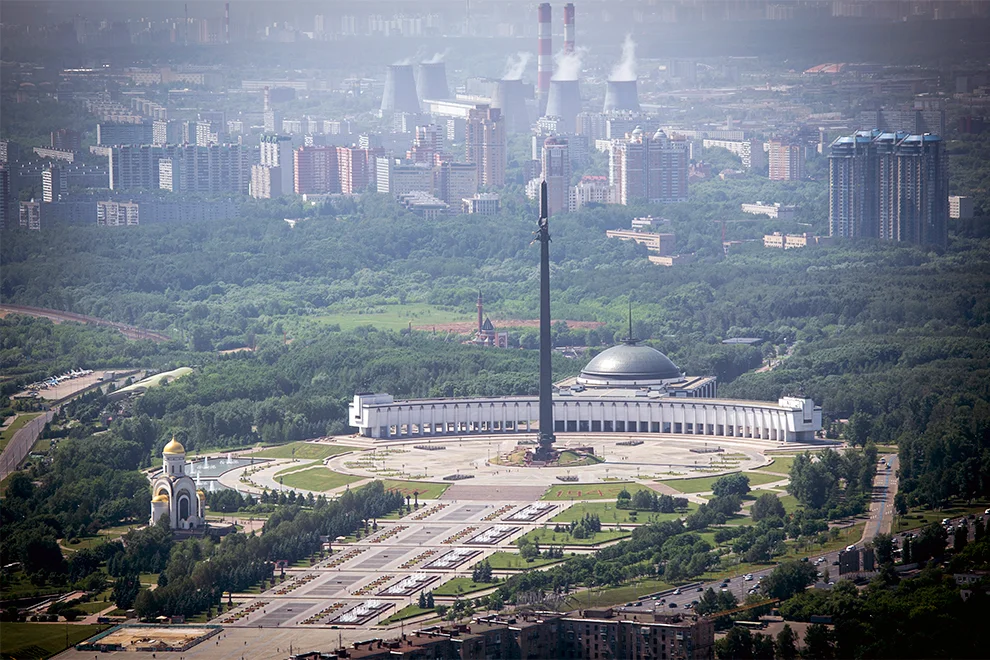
516 65
438 57
626 68
406 61
568 65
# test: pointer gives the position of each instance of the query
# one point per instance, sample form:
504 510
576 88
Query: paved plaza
345 596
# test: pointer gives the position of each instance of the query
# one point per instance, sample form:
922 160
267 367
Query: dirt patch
466 327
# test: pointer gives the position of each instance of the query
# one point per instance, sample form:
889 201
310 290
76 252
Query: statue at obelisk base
544 452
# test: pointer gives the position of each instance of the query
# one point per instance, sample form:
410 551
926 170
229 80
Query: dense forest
892 336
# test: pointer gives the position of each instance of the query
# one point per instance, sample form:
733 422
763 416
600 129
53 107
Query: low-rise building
659 243
776 210
482 204
423 204
960 208
671 260
788 241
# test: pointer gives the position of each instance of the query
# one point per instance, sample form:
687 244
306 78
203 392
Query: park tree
767 505
883 548
786 644
818 643
788 579
814 482
125 591
736 645
763 647
731 484
960 536
858 429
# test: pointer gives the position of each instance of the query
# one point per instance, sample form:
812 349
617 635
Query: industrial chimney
564 102
544 61
620 95
400 90
569 27
509 97
432 81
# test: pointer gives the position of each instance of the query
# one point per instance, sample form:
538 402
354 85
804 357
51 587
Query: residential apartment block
892 186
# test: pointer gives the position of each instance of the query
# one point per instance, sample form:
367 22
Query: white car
748 577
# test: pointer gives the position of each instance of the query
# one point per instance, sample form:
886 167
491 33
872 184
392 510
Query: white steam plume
438 57
626 68
406 61
516 65
568 65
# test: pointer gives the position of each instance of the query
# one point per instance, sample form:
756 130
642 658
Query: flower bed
349 555
418 558
325 612
389 533
454 538
379 582
499 513
436 508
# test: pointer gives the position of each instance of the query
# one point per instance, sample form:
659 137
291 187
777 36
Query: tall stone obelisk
546 438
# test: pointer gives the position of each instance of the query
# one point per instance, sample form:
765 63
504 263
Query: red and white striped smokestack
569 27
544 62
226 23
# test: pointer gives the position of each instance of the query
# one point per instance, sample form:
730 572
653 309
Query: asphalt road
21 443
882 504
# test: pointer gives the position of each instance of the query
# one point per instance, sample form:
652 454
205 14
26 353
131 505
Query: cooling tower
620 95
432 81
400 90
509 97
564 102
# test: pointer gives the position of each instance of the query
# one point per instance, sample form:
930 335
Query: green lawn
603 491
148 578
15 426
609 515
95 606
462 585
296 467
546 536
573 459
407 612
919 517
388 317
18 586
615 595
302 450
704 484
511 561
781 464
317 479
41 640
427 489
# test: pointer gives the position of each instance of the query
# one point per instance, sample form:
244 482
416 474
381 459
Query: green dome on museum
631 362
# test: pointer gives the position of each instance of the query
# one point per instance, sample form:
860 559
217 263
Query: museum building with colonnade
629 388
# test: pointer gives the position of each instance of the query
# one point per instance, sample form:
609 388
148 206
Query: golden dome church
174 492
